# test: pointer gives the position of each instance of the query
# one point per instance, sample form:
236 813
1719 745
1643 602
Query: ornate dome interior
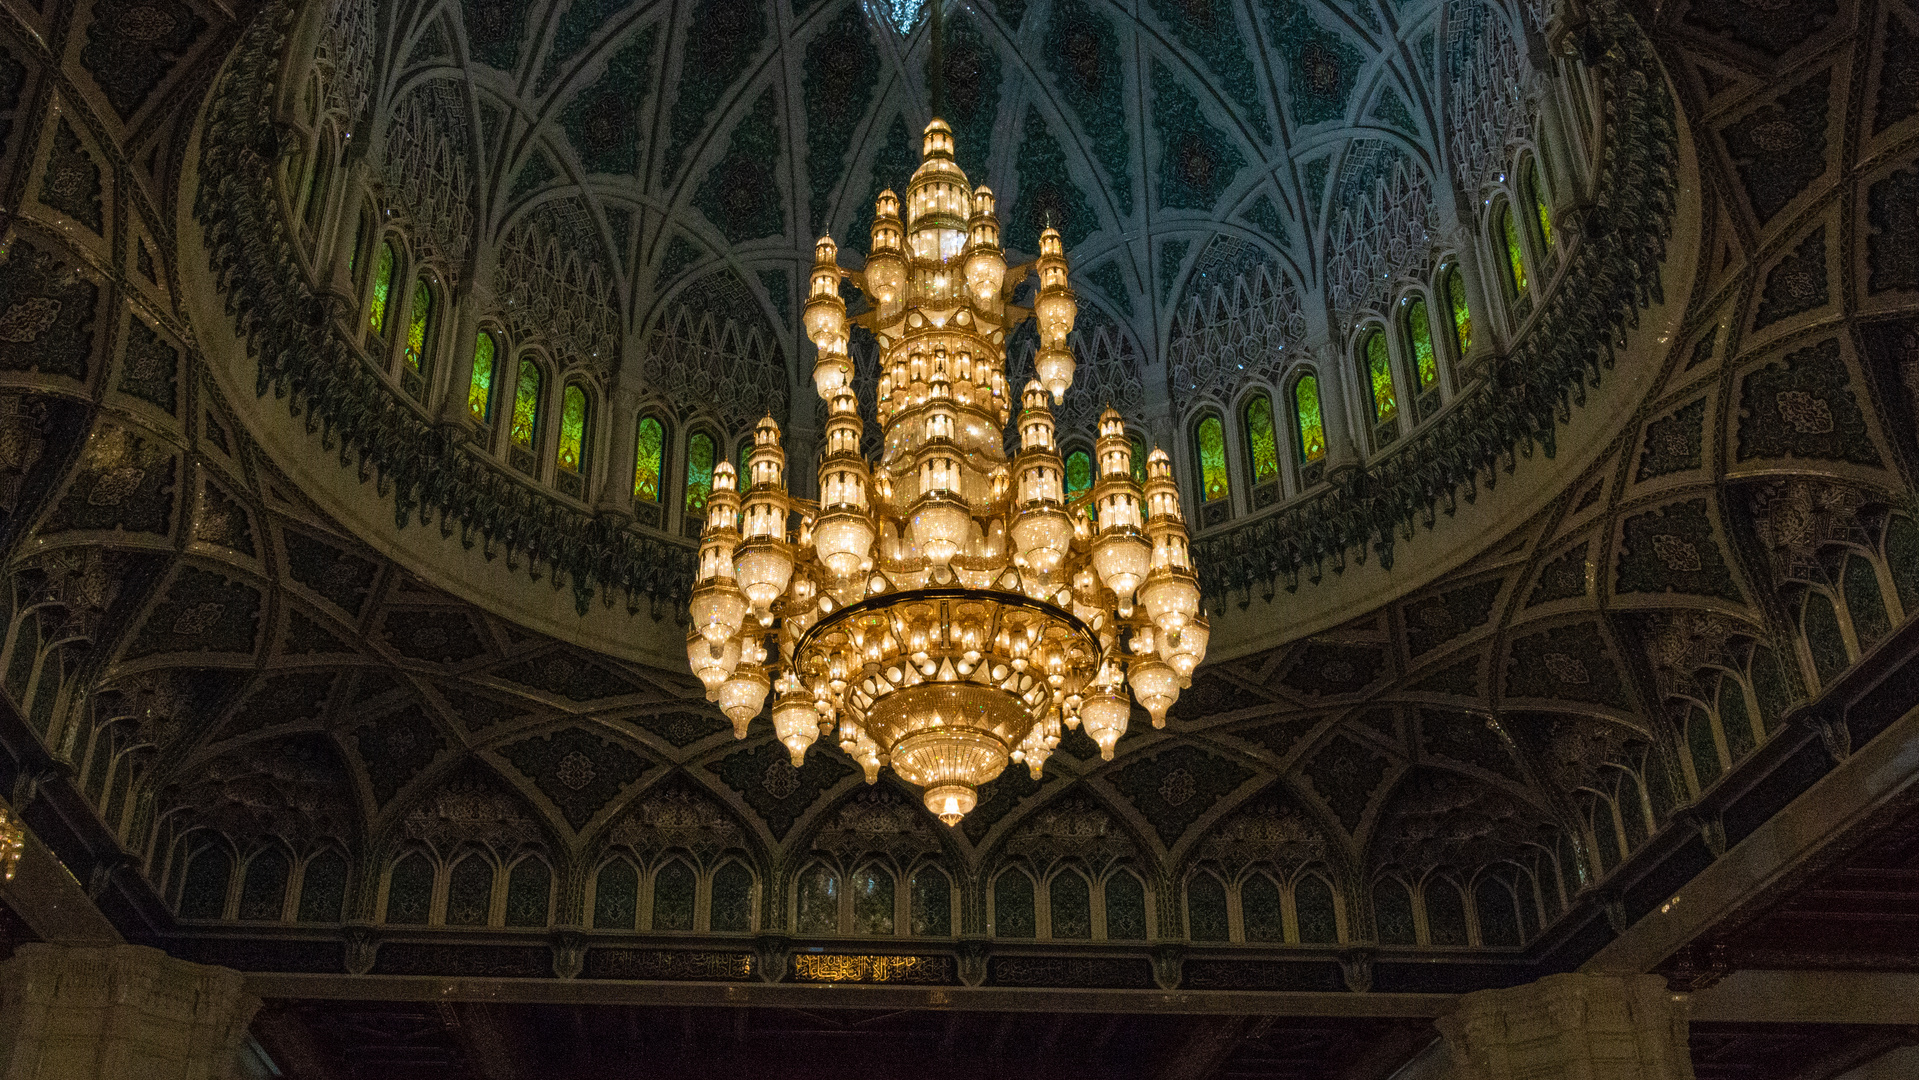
1541 379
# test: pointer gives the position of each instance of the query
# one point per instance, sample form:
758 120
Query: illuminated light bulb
1104 714
1171 599
844 541
712 665
1156 685
940 527
1122 559
763 566
1184 648
796 723
1054 367
718 608
951 802
742 696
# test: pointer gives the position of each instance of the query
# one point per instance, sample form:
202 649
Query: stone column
1571 1026
119 1012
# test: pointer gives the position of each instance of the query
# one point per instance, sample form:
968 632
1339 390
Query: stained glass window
1211 437
409 892
1515 256
1445 913
616 896
419 327
649 451
572 451
1139 460
1313 906
1125 908
204 896
323 888
1079 472
469 892
529 889
263 894
1498 918
872 900
1419 342
1312 425
1393 913
526 404
1705 749
479 389
1259 908
1070 904
1262 447
317 184
1462 315
1206 908
819 902
382 284
932 896
673 889
1539 206
699 471
1379 375
1013 905
732 899
359 244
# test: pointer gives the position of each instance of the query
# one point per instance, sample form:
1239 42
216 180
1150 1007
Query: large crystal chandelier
944 609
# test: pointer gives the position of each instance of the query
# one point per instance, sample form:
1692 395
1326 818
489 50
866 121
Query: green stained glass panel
1705 750
1139 460
479 389
932 896
1393 913
616 896
1212 460
526 404
648 450
1462 315
673 889
469 892
1079 472
1445 913
1262 447
382 285
1379 373
263 893
1313 904
1312 426
1259 909
1013 905
1419 340
323 888
419 325
700 453
1539 206
409 892
873 901
572 428
1125 908
732 909
1070 905
529 892
1206 908
1515 255
819 902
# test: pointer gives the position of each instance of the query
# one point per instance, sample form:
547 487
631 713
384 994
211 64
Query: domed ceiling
685 156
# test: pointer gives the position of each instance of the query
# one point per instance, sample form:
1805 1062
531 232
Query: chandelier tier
944 609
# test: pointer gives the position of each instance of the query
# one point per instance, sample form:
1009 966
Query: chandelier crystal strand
943 610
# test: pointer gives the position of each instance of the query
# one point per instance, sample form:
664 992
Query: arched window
318 183
1455 285
1309 423
357 257
819 902
382 285
1314 910
700 458
1209 440
616 896
932 906
526 404
469 892
873 900
479 388
1262 444
1079 473
649 460
1508 235
732 905
1393 913
1206 908
323 888
1125 908
203 895
529 892
1419 344
1445 913
1529 183
263 893
1069 903
1376 368
419 327
1259 909
571 452
409 891
1139 460
673 892
1013 905
1704 748
1498 917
